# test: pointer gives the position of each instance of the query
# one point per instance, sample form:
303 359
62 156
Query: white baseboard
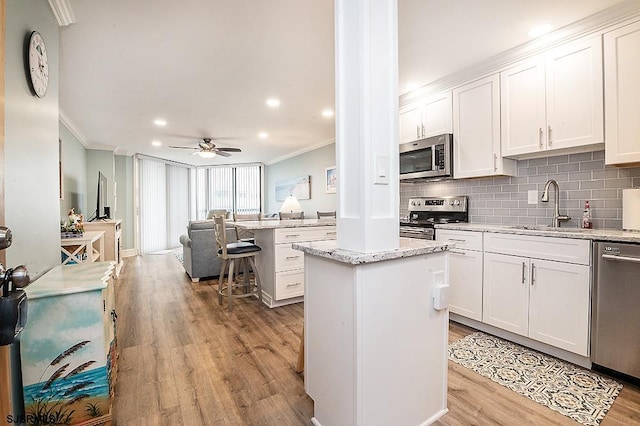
129 252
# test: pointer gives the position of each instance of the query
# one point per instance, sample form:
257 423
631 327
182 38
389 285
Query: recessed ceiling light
273 102
327 113
160 122
156 143
263 135
539 30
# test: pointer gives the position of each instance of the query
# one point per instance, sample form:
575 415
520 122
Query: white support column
367 124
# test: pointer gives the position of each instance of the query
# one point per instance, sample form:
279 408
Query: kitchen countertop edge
273 224
613 235
408 247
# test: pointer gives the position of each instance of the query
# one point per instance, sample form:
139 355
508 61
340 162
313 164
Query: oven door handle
412 231
418 232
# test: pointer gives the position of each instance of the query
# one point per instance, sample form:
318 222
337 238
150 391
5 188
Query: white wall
311 163
124 177
74 169
32 201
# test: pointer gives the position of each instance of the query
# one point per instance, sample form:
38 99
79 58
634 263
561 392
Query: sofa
199 249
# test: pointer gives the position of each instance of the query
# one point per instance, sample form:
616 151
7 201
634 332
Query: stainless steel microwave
427 158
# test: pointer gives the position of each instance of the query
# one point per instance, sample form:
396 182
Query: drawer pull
457 252
292 235
331 233
292 257
540 136
293 284
457 239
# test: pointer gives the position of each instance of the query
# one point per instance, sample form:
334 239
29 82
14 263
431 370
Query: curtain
233 188
177 203
153 205
171 194
165 204
221 188
248 189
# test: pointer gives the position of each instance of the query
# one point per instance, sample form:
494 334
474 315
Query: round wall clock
38 64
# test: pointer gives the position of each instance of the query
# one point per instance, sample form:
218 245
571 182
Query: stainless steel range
425 212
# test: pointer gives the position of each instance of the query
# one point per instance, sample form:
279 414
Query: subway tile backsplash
503 200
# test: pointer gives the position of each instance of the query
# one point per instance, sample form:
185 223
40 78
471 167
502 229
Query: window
233 188
171 194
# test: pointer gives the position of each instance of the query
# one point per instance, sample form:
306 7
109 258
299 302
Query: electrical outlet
532 196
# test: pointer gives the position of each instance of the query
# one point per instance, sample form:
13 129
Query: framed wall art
299 187
330 180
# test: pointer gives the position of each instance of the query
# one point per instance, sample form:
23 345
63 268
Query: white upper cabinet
476 130
554 101
622 95
430 116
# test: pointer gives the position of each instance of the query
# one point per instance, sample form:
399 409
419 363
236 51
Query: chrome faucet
557 217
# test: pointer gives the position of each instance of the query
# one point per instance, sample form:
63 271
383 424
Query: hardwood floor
185 361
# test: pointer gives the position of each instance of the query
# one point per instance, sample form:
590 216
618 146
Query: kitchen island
281 268
376 327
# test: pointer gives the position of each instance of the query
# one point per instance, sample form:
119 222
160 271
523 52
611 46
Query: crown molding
63 12
592 25
300 152
75 131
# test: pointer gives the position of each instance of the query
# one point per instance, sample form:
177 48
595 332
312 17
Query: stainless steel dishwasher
615 321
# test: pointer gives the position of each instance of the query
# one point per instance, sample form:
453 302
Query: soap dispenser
586 216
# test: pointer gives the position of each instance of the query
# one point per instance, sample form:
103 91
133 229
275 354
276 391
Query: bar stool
229 253
292 215
242 234
326 215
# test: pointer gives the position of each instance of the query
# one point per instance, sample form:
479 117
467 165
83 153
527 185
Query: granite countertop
272 224
614 235
69 279
408 247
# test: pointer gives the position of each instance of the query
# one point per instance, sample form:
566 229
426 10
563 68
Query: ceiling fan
207 149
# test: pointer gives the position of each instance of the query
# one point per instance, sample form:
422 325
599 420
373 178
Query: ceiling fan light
207 154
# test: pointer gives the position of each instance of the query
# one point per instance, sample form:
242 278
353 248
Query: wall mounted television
101 202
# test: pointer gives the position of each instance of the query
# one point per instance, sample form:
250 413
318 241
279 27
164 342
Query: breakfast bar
281 268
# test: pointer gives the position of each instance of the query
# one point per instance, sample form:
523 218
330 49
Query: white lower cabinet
281 268
542 299
506 292
465 272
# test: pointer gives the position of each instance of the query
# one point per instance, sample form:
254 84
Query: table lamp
291 205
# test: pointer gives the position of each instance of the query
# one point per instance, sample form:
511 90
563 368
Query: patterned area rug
178 254
577 393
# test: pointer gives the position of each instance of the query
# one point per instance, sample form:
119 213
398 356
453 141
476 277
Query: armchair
200 251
